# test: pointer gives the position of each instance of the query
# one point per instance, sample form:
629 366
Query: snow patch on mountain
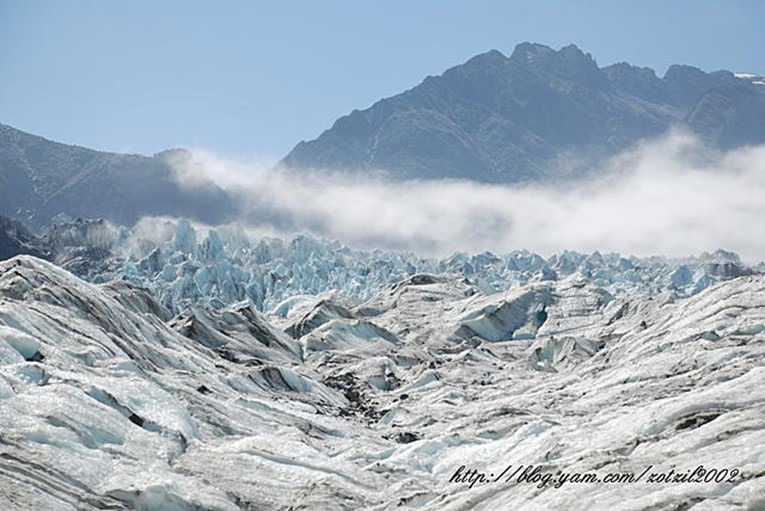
752 78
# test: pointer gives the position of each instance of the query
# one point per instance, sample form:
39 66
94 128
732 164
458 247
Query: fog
671 196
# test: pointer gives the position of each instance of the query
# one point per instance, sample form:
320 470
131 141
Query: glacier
184 264
421 394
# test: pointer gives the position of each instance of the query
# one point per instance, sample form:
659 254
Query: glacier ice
183 264
109 399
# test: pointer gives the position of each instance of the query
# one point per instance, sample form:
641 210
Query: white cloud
199 167
670 196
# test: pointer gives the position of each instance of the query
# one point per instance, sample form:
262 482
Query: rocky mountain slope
431 395
538 114
41 180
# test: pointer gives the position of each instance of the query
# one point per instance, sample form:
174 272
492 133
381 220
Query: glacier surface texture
428 393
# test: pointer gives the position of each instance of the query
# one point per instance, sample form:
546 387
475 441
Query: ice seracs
185 265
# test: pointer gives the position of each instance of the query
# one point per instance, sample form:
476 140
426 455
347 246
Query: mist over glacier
672 195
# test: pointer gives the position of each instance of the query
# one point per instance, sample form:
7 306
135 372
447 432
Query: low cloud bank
670 196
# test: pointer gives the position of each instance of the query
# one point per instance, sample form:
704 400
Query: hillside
41 180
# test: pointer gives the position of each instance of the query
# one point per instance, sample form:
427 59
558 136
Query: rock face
538 114
15 239
730 116
41 180
433 394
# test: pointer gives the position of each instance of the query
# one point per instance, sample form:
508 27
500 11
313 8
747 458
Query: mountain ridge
42 180
512 119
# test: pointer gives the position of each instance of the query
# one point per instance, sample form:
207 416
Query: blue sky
249 79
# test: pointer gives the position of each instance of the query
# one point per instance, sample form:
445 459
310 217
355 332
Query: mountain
432 394
41 180
537 114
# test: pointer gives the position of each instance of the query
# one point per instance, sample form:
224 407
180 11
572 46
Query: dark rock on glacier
320 314
238 333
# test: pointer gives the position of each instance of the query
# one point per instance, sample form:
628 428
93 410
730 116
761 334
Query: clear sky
250 79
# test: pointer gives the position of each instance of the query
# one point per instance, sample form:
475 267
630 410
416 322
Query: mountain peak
481 63
508 119
562 69
573 50
527 51
682 71
490 57
569 64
